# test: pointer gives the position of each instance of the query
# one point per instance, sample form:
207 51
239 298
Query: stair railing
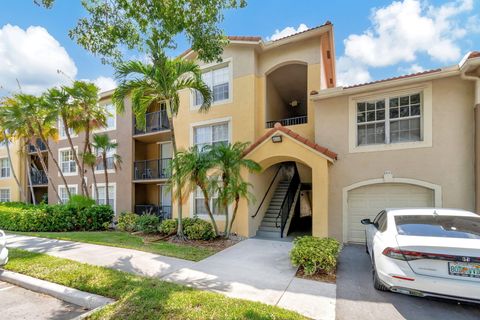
288 202
268 190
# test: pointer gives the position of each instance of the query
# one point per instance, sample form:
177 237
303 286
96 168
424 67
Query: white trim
387 178
114 120
228 62
210 122
9 193
103 184
108 170
9 166
426 119
62 186
67 174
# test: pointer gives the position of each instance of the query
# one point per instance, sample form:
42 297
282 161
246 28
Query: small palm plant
90 160
104 145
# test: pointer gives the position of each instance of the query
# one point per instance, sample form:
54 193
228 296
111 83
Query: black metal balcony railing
288 121
151 169
40 145
39 177
110 165
155 122
163 212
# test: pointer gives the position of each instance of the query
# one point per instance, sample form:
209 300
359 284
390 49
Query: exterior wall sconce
276 139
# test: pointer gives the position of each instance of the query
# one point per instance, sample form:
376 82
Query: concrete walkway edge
80 298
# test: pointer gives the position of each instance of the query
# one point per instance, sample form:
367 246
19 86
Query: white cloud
105 83
33 57
349 72
404 29
414 68
288 31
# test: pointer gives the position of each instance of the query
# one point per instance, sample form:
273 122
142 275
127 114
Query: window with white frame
199 204
389 120
62 134
110 159
210 135
62 192
111 117
4 168
218 80
67 161
4 195
102 195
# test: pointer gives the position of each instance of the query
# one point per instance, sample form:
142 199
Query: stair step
268 224
271 229
267 234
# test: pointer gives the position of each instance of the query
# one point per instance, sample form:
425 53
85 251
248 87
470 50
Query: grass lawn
140 297
126 240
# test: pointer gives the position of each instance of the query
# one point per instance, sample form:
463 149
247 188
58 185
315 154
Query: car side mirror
366 221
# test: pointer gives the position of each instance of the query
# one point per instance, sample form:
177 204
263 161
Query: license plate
464 269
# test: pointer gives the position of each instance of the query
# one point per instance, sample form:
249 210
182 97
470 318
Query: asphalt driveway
357 299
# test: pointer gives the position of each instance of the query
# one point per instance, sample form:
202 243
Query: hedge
54 218
315 254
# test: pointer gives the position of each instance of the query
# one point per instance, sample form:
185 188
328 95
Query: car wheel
377 283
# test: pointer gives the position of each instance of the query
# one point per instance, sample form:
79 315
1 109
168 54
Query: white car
426 252
3 249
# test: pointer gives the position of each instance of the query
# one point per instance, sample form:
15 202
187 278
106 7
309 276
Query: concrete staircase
267 228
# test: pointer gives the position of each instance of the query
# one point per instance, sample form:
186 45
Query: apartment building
329 155
9 190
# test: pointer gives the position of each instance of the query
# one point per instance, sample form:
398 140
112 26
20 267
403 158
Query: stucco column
320 199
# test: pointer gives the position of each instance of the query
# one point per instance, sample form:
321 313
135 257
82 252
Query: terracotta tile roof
474 54
294 135
327 23
244 38
412 75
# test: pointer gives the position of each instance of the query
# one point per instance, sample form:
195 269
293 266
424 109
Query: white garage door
368 201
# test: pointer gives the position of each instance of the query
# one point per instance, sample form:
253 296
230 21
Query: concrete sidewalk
254 269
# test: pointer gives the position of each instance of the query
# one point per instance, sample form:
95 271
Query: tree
192 167
5 138
113 25
22 115
230 161
159 82
103 144
91 160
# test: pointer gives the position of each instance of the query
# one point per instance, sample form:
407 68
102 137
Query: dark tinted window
380 221
439 226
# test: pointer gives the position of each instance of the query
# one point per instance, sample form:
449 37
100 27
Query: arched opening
287 95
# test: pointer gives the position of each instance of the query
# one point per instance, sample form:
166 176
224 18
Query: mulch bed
319 276
217 244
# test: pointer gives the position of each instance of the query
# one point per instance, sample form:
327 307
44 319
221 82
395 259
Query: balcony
39 177
163 212
288 121
40 145
145 170
155 122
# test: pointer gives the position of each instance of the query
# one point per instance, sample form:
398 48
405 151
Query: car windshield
438 226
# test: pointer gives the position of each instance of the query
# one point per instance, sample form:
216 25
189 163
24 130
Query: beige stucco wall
16 165
449 163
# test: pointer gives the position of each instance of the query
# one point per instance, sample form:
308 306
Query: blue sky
374 39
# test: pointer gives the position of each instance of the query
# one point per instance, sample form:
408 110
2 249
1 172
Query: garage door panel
368 201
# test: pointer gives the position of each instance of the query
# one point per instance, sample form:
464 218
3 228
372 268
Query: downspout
476 108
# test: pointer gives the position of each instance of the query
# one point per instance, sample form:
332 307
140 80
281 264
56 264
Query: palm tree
103 144
159 82
192 173
82 113
24 118
91 160
5 138
230 162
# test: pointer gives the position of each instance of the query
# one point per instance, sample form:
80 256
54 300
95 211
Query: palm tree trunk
22 192
44 140
206 201
84 189
45 169
29 174
95 186
104 159
235 209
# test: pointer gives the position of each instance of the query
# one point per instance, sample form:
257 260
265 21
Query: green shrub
198 229
148 223
127 222
168 226
80 202
315 254
54 218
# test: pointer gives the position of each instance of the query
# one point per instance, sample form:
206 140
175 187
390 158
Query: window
67 161
463 227
4 195
102 196
218 80
62 191
111 122
4 168
210 135
199 204
380 221
389 120
110 159
61 130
